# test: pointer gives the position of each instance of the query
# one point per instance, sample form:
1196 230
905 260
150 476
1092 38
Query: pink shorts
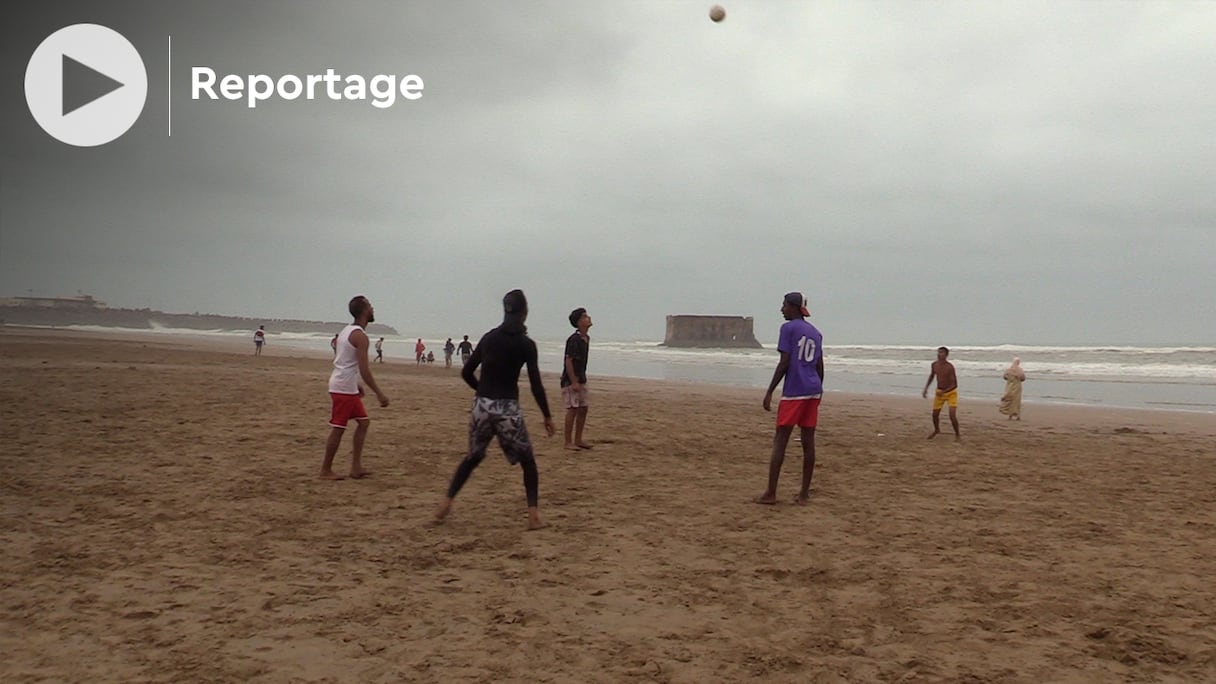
347 407
798 412
572 399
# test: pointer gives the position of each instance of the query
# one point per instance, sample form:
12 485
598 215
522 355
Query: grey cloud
919 169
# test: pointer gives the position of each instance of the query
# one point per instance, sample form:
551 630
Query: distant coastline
68 311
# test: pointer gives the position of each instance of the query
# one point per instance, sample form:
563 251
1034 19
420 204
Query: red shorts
347 407
798 412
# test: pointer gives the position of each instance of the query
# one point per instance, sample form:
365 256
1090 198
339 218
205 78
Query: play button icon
82 85
86 85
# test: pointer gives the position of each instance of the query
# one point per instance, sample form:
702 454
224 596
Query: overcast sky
927 172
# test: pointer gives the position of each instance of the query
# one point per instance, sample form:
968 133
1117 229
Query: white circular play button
86 85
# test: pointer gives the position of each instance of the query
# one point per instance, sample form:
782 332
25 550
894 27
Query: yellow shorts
942 398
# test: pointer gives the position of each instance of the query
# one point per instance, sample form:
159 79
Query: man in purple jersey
801 364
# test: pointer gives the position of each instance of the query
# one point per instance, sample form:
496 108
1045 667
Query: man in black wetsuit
501 353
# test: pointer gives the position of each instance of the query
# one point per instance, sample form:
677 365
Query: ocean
1179 378
1170 378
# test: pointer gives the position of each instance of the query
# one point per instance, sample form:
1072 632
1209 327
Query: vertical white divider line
170 78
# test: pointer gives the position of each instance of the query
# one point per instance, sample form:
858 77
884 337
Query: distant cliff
24 314
711 331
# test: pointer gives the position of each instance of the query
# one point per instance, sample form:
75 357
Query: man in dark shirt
574 380
466 350
501 353
448 349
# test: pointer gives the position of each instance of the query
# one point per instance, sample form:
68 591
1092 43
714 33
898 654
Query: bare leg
808 465
580 420
780 439
356 459
954 422
568 432
937 429
331 449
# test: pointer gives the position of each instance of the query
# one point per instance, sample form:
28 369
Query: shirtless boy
947 391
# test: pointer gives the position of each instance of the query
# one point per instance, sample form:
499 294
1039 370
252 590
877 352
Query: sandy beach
162 522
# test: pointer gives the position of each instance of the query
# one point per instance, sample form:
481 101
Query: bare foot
802 499
330 475
360 474
766 499
536 525
534 522
583 445
444 509
571 447
934 434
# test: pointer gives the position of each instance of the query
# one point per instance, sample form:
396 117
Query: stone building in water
711 331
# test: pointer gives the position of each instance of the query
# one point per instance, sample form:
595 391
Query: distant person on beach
419 348
574 380
449 348
801 365
947 391
495 412
333 344
1011 400
350 365
380 350
430 357
466 350
259 338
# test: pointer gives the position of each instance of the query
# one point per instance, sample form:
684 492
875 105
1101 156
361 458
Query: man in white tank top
350 364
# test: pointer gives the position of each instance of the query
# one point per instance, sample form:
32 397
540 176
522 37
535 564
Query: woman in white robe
1011 401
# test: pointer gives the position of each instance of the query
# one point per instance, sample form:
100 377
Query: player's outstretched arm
359 339
932 373
538 389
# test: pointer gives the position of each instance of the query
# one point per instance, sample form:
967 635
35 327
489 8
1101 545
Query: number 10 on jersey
806 349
